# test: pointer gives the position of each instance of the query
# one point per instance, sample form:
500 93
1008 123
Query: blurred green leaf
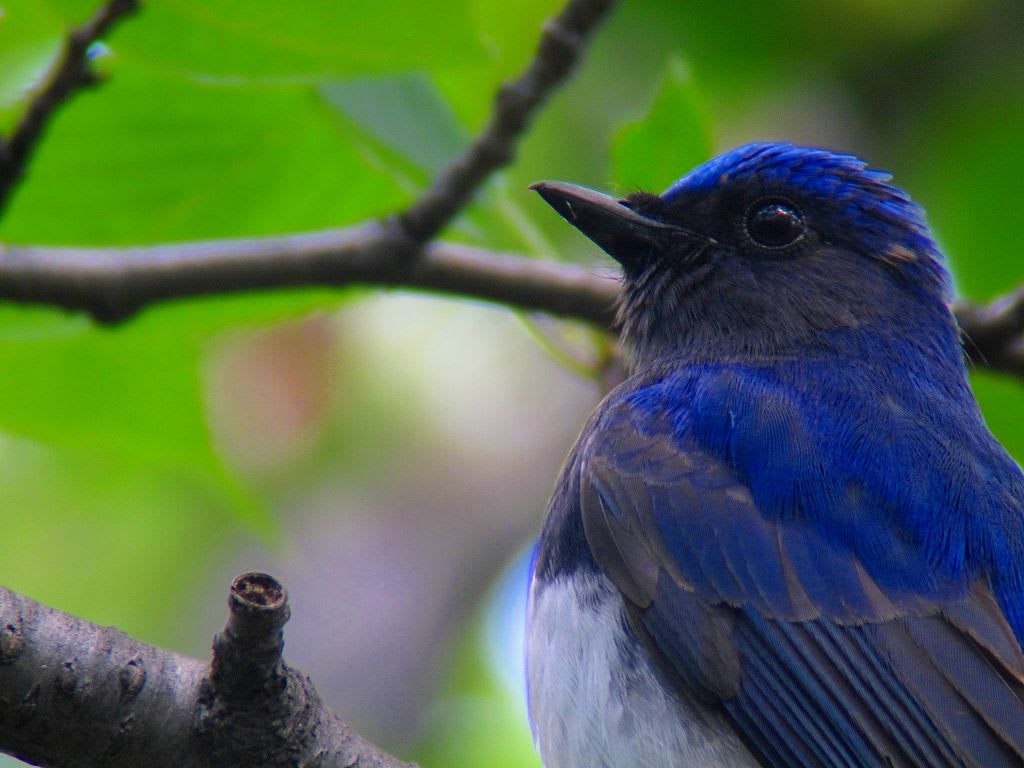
405 113
673 137
476 720
968 163
133 389
115 542
508 33
748 51
131 394
250 39
28 41
1002 401
414 133
150 158
134 393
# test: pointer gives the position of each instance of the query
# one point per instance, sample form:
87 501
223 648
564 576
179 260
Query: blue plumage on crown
881 215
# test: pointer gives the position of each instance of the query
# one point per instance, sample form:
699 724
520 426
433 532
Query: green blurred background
388 456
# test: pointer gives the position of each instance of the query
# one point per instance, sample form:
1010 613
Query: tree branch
112 284
561 46
75 694
994 333
69 73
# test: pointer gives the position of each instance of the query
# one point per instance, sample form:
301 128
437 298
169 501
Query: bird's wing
814 661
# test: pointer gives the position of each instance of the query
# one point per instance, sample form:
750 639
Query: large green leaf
320 38
156 158
673 137
966 168
509 33
28 41
132 390
134 393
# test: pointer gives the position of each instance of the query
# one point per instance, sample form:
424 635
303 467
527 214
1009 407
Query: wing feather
816 662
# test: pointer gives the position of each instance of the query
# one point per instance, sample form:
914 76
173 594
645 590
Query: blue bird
788 539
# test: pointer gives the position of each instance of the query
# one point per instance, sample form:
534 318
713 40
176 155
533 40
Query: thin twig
69 73
560 48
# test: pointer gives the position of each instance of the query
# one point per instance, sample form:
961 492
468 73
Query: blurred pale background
388 456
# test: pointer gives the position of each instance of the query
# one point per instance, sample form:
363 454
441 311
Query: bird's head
765 251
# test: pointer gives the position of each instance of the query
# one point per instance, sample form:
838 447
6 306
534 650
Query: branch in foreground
74 694
68 74
560 48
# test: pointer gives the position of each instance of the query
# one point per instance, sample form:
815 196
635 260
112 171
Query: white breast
595 698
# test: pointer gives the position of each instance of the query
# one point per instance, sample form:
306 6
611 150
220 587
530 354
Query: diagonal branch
75 694
69 73
561 46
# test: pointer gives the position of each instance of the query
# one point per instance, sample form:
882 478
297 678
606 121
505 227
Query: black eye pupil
774 224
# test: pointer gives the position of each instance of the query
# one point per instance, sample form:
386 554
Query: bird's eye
774 224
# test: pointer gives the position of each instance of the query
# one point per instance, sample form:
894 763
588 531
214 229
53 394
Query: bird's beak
625 235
